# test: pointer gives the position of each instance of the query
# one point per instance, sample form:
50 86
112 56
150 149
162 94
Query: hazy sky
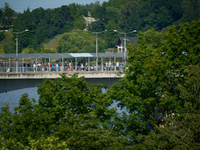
21 5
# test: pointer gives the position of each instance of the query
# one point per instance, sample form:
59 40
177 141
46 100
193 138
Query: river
12 97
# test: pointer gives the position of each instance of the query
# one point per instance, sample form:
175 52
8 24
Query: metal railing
62 68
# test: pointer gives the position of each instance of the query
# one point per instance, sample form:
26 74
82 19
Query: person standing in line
82 67
56 66
50 66
117 65
45 66
28 67
86 66
121 66
11 67
110 65
20 67
39 66
106 66
24 67
1 67
70 65
34 67
65 66
42 66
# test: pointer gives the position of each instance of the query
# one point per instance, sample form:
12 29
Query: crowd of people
84 66
81 66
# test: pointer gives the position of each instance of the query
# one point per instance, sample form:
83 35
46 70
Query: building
88 20
109 50
120 43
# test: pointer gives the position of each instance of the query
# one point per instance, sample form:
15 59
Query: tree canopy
153 88
79 41
122 15
160 92
70 113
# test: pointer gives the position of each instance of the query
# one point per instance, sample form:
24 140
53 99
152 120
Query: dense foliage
122 15
79 41
162 80
70 113
180 130
160 92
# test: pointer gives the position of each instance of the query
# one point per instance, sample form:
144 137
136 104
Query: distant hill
124 16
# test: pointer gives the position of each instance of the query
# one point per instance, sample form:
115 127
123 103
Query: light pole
17 33
97 46
124 50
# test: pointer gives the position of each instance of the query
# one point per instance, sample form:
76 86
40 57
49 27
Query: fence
62 68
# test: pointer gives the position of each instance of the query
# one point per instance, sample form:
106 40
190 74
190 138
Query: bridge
13 81
26 70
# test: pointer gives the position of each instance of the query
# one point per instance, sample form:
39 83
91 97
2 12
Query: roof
61 55
131 40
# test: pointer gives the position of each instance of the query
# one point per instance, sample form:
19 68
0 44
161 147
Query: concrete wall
15 81
15 84
52 75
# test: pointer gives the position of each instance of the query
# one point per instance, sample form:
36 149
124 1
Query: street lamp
97 46
125 42
17 33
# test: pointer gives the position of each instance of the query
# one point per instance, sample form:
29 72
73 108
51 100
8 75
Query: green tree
129 19
164 18
156 66
190 10
9 47
2 36
100 14
45 24
110 36
87 8
79 41
180 130
79 23
112 14
38 15
88 48
1 14
22 22
69 109
71 42
7 16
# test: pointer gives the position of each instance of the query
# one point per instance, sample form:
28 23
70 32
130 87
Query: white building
89 19
120 43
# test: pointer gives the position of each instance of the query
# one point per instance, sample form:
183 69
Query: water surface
13 97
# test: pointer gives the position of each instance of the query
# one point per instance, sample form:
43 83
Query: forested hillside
122 15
